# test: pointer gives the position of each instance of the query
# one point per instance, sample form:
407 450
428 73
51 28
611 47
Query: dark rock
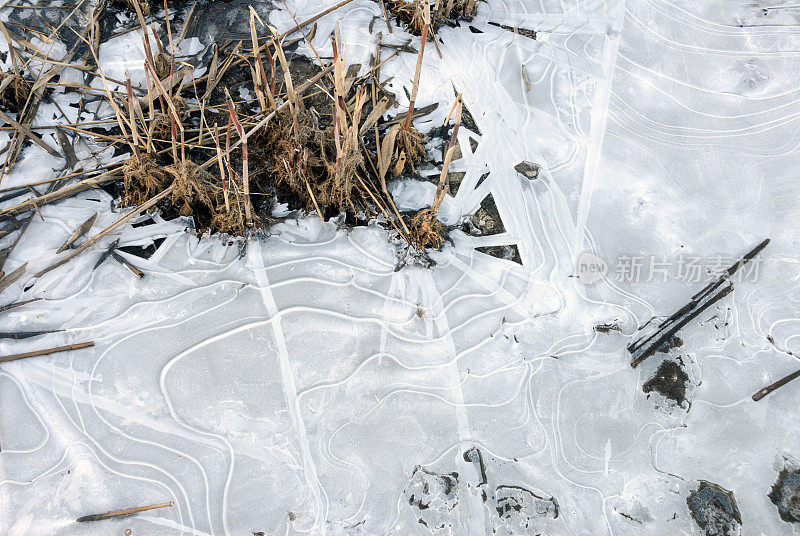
785 495
714 510
528 169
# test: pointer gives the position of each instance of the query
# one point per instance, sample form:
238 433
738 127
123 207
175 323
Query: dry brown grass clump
162 122
321 165
462 9
315 153
411 12
194 192
341 183
143 178
193 187
300 158
410 150
14 92
409 143
425 230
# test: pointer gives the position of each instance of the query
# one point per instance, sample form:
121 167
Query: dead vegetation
426 231
324 151
14 92
313 134
411 13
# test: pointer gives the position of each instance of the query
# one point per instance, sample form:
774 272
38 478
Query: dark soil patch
507 252
670 381
486 220
469 122
432 496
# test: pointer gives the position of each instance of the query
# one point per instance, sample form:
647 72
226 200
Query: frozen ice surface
301 385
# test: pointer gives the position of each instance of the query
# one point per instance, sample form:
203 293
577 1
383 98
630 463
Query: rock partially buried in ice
714 510
519 508
529 169
432 496
785 495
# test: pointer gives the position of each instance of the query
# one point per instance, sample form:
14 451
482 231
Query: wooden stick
26 130
702 294
59 178
14 357
221 169
91 241
315 17
11 278
11 49
125 512
386 16
165 95
314 200
124 262
67 191
10 306
171 45
132 115
780 383
140 16
260 78
439 196
674 329
417 71
79 232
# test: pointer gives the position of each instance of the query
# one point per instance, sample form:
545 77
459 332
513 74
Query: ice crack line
256 262
597 123
432 297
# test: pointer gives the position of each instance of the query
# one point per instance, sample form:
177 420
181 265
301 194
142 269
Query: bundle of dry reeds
313 134
412 13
